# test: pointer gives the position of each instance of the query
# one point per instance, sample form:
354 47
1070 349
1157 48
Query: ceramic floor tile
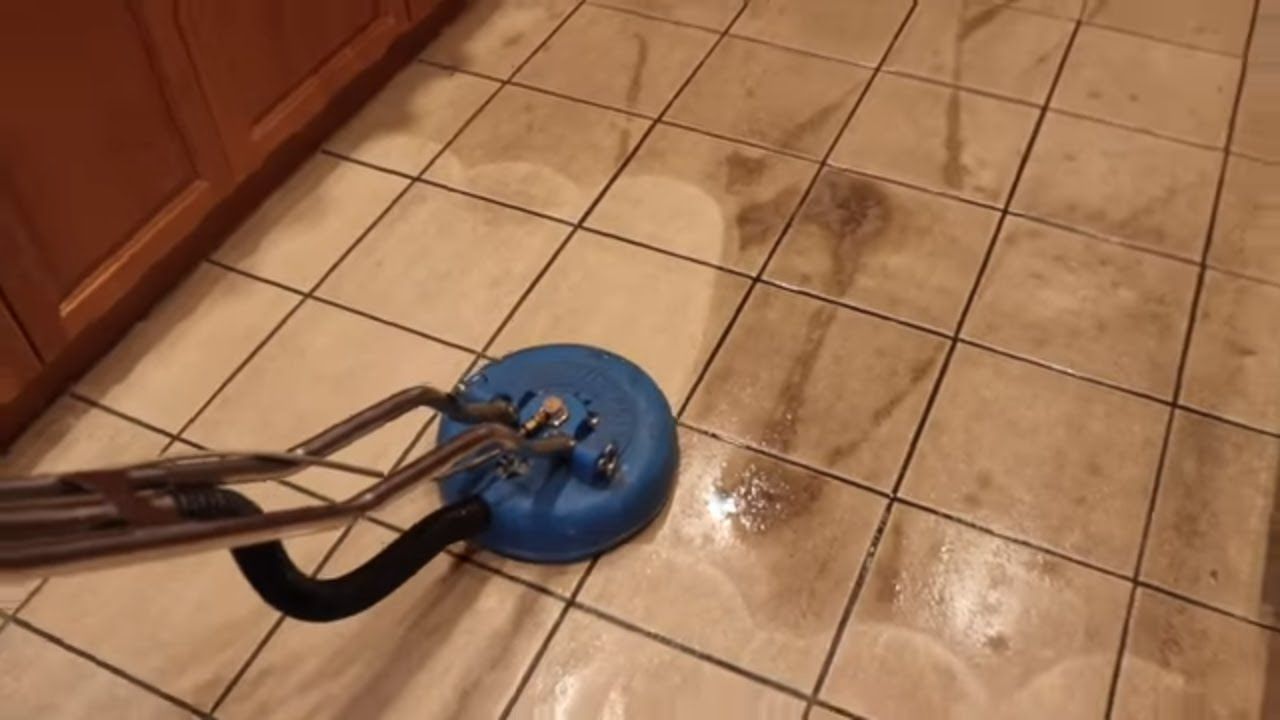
704 198
596 670
412 118
956 623
1248 222
711 14
1183 662
663 313
830 387
1258 114
41 680
494 36
768 95
1089 306
887 247
956 142
203 620
1079 479
176 357
983 46
1136 188
429 264
856 30
1211 532
306 224
324 365
727 552
539 152
1235 350
452 642
635 63
1220 25
1175 91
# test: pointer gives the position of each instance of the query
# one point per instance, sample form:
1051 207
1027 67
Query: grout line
1164 41
99 405
670 20
502 203
1157 588
1227 421
128 677
366 164
1099 237
755 144
1240 275
869 558
1137 129
1192 321
669 253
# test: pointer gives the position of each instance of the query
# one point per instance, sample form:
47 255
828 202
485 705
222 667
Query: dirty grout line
1188 335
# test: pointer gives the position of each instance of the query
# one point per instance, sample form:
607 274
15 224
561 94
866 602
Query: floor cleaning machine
552 454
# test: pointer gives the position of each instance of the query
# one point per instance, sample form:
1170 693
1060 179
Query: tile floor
970 309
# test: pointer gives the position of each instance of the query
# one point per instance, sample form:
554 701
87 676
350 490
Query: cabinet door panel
102 172
18 363
268 66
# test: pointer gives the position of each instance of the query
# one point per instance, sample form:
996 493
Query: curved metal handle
283 585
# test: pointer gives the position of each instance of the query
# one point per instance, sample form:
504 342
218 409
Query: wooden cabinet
268 66
18 364
105 160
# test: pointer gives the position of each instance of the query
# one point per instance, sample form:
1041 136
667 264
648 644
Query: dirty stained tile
984 46
663 313
203 620
1211 532
451 642
323 366
704 198
855 30
941 138
1235 351
594 669
1131 187
412 118
1174 91
1086 305
711 14
772 96
635 63
1220 25
821 384
306 224
429 264
1079 481
901 251
1248 221
539 152
493 37
956 623
38 679
727 550
1182 661
174 359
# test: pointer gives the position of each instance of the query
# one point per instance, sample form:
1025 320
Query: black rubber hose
285 587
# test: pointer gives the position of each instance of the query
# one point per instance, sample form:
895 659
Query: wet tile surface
985 46
1080 480
540 152
726 554
409 122
886 247
1089 306
1149 85
428 265
954 621
305 226
1215 516
1185 662
1139 189
1248 220
940 138
593 669
1220 25
774 97
1234 352
663 313
635 63
494 37
856 30
704 198
827 386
